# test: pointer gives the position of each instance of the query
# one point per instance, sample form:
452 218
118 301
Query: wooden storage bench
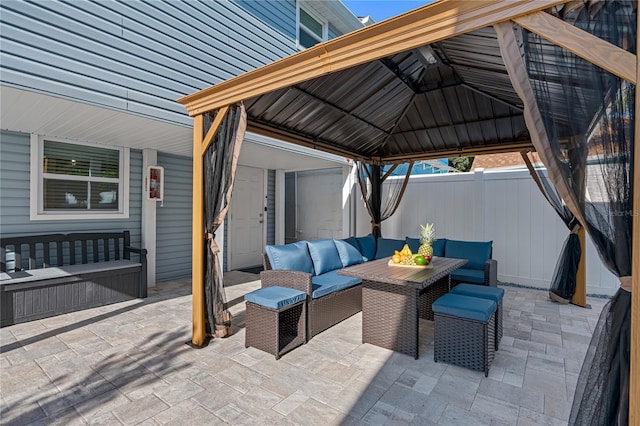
47 275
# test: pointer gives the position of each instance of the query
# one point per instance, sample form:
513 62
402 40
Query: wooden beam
211 133
199 337
431 23
634 374
589 47
580 295
464 152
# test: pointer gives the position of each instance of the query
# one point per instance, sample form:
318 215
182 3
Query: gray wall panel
173 220
271 207
14 196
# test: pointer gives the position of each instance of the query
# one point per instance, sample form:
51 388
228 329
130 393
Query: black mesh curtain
588 115
563 282
381 200
220 162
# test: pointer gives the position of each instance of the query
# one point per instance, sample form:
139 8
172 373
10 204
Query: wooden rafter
595 50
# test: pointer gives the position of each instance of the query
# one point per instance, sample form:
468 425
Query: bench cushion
438 245
482 291
387 246
413 243
275 297
290 257
472 308
324 255
367 246
349 254
475 251
468 275
330 282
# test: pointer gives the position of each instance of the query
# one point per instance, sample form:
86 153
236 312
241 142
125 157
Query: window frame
37 176
301 26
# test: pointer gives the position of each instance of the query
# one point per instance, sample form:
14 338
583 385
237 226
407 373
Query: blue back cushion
475 251
353 241
292 257
439 246
349 255
324 255
386 247
367 246
414 244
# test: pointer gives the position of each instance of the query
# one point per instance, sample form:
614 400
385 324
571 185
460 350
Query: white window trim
324 22
36 208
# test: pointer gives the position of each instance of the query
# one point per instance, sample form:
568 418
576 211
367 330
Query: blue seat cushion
275 297
330 282
468 275
484 292
472 308
324 255
386 247
367 246
291 257
349 255
475 251
439 247
413 243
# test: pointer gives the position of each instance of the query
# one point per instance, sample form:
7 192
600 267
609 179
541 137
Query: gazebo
458 78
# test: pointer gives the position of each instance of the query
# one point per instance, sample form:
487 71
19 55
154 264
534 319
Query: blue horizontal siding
14 196
139 55
173 220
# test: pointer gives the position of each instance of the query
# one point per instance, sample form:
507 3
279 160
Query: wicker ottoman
485 292
276 319
464 331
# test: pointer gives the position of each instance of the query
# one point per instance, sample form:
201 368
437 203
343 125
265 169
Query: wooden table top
380 271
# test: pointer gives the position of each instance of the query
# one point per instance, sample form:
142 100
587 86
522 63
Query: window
311 30
70 180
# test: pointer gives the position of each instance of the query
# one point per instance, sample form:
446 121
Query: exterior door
246 219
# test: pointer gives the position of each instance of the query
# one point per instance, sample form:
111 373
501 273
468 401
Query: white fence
503 206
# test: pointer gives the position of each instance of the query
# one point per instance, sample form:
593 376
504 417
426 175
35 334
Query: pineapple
427 235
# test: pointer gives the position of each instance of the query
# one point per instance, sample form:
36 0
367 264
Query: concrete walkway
128 364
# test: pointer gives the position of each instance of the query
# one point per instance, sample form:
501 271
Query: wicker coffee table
392 298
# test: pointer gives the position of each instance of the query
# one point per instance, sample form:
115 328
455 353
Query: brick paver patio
128 364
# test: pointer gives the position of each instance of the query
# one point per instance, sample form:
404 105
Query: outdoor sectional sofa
312 267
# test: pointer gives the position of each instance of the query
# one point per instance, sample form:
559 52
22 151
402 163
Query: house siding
139 56
15 201
173 219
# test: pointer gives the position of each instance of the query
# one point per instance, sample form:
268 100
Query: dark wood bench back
44 251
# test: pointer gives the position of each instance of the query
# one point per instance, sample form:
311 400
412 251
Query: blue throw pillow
414 244
349 255
367 246
324 255
353 241
475 251
387 246
291 257
439 246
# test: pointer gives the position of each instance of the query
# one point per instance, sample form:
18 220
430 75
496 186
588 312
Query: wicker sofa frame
490 270
322 312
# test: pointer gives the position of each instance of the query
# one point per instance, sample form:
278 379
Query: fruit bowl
400 265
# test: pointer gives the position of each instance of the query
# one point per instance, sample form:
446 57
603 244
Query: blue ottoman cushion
290 257
330 282
482 291
275 297
472 308
324 255
468 275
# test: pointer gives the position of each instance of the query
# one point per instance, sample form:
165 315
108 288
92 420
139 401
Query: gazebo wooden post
199 337
580 295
